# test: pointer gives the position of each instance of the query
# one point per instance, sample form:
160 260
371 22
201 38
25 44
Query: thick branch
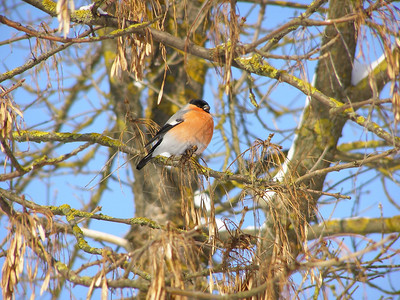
255 64
341 227
353 164
65 137
350 226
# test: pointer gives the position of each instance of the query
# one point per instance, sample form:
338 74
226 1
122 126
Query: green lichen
323 129
105 217
257 65
65 208
35 133
202 169
82 244
106 140
72 213
345 147
50 6
323 126
61 267
109 57
224 47
82 15
122 31
360 120
335 102
393 223
78 232
117 31
196 69
8 74
304 86
70 216
270 71
145 222
358 225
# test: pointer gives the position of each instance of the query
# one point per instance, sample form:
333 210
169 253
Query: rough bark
159 191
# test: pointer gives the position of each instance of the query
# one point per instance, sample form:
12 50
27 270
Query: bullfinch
190 128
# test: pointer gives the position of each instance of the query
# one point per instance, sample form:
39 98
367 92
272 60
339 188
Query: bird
189 129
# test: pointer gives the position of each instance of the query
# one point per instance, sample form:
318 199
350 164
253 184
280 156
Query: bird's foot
188 154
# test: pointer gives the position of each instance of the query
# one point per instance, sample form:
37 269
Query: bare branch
354 164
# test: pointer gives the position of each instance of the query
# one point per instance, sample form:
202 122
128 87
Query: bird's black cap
200 103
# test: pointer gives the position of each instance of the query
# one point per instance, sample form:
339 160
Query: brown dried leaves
9 113
63 15
13 266
136 48
393 58
167 259
227 29
25 230
133 49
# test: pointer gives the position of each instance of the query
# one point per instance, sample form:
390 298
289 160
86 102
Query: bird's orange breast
196 129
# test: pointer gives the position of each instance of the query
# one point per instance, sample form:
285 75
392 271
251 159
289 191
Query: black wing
148 157
159 135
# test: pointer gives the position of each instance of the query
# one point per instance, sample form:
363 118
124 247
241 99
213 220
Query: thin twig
338 167
13 87
339 260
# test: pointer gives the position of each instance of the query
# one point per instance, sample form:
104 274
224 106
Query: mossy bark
314 148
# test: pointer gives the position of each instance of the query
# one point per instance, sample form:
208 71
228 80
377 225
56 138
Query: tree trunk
313 149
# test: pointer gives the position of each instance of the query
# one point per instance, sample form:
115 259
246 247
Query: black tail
144 160
149 156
